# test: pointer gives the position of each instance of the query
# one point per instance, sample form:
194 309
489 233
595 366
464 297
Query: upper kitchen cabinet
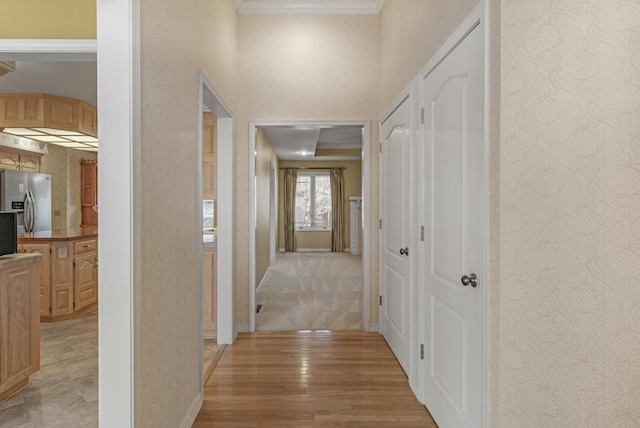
44 117
209 150
18 160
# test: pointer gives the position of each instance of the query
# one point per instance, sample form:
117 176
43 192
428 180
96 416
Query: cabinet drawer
85 246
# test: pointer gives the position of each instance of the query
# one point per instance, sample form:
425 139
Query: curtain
290 179
337 210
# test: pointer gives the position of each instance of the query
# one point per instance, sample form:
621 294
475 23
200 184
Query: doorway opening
256 160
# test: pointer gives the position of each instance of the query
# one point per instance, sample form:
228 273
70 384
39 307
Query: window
313 201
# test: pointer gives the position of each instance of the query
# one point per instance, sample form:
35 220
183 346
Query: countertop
70 234
17 259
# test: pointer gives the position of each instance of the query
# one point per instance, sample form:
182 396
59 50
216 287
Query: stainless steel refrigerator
28 194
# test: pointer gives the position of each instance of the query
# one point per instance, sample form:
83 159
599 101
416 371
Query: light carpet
311 291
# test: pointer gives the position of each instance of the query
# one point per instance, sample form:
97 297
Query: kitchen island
19 321
69 274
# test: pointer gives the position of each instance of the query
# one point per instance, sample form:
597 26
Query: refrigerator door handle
33 212
26 212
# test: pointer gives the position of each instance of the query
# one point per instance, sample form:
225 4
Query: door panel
395 309
453 98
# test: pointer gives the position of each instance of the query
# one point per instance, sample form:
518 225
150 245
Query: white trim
313 250
263 281
288 7
119 274
366 196
240 328
48 49
373 327
191 416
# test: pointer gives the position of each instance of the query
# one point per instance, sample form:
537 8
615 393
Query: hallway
310 379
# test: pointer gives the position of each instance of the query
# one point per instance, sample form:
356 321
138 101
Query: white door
453 215
394 276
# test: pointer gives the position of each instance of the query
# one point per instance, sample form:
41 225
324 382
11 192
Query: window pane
313 201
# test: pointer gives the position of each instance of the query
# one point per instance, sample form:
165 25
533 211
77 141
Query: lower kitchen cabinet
19 322
68 279
209 292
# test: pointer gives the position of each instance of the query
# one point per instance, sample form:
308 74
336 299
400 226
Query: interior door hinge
422 115
380 300
421 351
380 224
380 146
422 233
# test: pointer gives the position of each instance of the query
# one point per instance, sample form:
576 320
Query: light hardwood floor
310 379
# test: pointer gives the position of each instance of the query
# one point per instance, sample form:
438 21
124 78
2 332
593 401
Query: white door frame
208 97
366 204
479 14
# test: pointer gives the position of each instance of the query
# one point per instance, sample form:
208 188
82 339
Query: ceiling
246 7
315 143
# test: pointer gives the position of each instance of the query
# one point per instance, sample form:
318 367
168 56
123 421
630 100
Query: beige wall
64 167
265 159
169 319
412 31
352 187
569 207
302 67
47 19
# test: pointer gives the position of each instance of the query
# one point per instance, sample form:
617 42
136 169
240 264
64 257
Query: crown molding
292 7
48 49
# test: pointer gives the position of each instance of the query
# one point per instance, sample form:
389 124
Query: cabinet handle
85 246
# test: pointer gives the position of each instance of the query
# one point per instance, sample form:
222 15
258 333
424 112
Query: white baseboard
264 279
193 412
373 327
313 250
240 328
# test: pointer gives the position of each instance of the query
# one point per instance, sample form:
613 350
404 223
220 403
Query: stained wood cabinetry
45 277
47 111
89 192
68 279
19 323
209 291
209 155
18 160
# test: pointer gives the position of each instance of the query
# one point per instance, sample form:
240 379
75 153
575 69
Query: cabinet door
9 160
209 292
209 154
88 119
45 274
86 280
29 163
89 192
61 278
17 327
21 110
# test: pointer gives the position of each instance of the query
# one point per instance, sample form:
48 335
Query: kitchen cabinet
209 155
45 273
89 192
209 291
68 282
18 160
48 111
19 321
85 271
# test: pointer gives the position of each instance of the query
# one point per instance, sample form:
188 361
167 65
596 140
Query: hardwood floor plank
310 379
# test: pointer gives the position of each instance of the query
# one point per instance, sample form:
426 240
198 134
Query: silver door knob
404 251
470 280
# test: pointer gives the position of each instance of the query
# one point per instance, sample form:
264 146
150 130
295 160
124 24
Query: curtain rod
305 167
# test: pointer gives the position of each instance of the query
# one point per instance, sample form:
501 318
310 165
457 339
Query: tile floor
64 393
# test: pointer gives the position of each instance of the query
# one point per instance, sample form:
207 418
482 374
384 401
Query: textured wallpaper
169 326
569 303
295 67
64 167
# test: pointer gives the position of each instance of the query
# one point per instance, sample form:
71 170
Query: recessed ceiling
314 143
361 7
